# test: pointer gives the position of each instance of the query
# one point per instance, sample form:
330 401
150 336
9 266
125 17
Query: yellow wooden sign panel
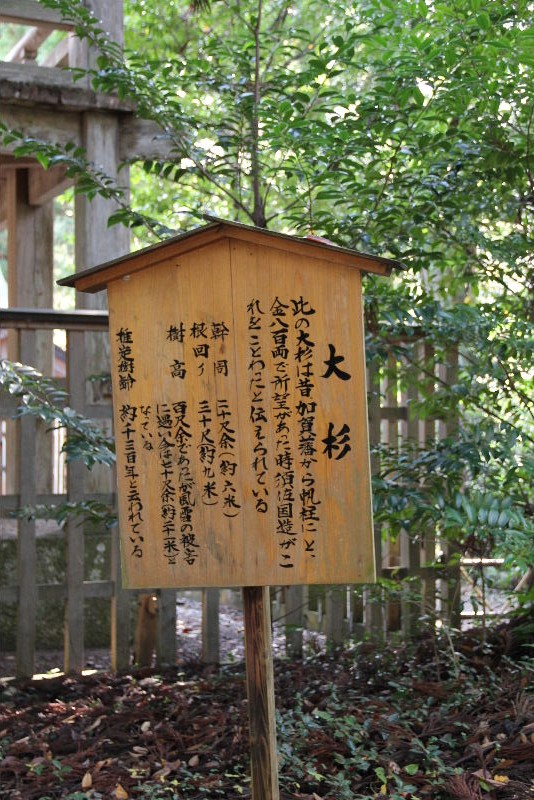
241 420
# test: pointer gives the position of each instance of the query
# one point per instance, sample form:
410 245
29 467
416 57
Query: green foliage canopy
400 128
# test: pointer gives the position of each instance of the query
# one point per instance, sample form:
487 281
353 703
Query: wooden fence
337 611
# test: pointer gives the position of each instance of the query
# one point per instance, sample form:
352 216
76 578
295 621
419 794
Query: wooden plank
74 531
3 202
9 503
210 626
166 649
50 319
120 611
96 278
30 250
294 620
453 590
413 609
58 591
260 692
138 138
428 554
30 282
274 451
45 184
338 256
49 87
335 606
100 139
373 618
142 138
44 124
8 162
29 12
26 546
110 16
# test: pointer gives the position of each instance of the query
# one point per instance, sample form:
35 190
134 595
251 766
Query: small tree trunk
146 631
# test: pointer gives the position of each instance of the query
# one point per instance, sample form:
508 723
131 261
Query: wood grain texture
241 419
30 12
260 692
74 655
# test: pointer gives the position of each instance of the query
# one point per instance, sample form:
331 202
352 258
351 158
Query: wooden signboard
240 410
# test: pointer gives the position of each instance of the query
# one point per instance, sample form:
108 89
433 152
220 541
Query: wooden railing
335 610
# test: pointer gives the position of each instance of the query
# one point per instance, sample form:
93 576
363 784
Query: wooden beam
74 532
39 123
210 626
138 139
29 12
142 139
26 544
48 318
12 163
30 84
44 185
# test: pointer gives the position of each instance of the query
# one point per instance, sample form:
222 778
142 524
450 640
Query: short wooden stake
260 691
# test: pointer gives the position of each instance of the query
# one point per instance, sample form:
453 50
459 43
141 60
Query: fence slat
74 609
120 610
27 553
210 626
294 620
166 650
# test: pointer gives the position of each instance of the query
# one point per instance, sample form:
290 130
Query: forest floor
437 719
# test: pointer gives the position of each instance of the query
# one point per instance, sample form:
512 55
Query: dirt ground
421 722
188 642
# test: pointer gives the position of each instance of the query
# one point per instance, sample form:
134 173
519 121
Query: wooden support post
335 615
430 605
166 647
28 451
453 589
30 281
373 616
210 626
74 657
294 618
120 611
260 691
414 609
393 545
26 546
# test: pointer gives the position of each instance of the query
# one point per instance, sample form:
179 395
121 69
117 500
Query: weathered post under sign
240 419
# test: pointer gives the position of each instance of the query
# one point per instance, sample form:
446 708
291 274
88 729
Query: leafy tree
401 128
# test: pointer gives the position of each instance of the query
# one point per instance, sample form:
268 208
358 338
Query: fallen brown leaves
183 733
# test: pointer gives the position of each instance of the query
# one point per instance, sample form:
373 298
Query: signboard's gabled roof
97 278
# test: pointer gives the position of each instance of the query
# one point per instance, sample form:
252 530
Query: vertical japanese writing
200 338
227 459
185 481
128 417
168 491
147 437
126 363
284 458
306 430
206 453
258 400
337 444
